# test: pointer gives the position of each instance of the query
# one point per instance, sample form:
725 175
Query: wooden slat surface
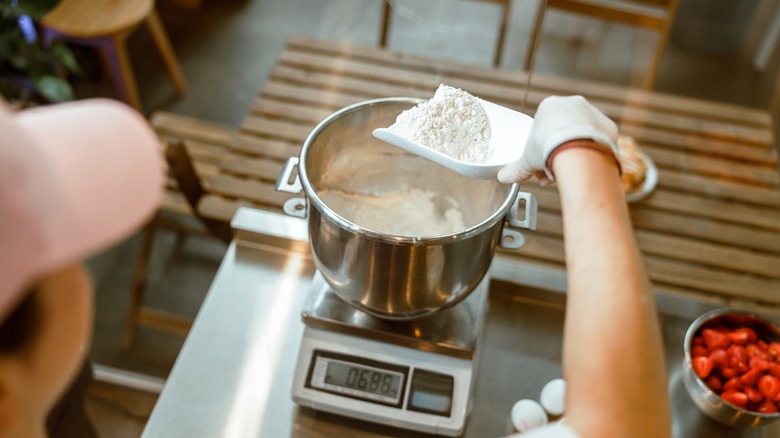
710 230
515 80
232 170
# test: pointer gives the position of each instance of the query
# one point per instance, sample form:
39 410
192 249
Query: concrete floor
228 48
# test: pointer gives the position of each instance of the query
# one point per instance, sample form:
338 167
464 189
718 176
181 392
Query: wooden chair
387 13
182 170
651 14
106 25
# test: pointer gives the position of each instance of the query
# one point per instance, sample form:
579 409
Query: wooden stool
106 25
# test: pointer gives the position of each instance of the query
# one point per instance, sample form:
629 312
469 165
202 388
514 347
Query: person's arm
613 358
612 354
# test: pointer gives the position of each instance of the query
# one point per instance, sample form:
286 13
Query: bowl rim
313 199
694 328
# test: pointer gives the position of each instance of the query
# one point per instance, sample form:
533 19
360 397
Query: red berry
736 398
759 363
702 365
774 369
714 383
767 407
715 339
742 368
769 386
742 336
752 335
719 358
738 358
698 350
754 395
751 377
733 384
752 350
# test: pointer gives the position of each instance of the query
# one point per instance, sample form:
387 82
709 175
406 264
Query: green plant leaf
64 57
18 62
37 61
53 88
36 69
10 40
7 44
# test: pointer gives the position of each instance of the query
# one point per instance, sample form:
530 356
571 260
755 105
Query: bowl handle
511 239
529 211
295 207
283 183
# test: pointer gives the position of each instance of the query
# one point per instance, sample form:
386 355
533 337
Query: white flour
451 122
411 213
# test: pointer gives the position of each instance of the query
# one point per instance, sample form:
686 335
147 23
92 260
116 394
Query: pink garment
75 178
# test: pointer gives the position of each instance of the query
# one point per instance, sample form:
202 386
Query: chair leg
118 64
502 32
653 70
166 51
48 36
139 284
386 13
663 37
536 31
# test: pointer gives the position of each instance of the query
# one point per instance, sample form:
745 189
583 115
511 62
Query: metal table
234 374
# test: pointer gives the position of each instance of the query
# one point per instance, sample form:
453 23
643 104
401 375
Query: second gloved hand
557 121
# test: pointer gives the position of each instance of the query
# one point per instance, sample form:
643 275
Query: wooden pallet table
710 231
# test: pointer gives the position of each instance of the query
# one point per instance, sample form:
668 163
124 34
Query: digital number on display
364 379
358 378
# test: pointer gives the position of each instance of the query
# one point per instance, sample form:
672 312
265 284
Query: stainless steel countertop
234 374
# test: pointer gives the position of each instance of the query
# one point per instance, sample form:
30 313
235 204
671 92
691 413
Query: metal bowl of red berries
732 367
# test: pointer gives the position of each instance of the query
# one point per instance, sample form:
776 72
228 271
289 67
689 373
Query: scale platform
415 374
453 331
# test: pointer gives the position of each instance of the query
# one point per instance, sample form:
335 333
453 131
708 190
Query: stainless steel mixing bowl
706 399
389 275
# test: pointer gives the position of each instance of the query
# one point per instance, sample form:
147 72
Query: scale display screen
379 382
373 380
358 377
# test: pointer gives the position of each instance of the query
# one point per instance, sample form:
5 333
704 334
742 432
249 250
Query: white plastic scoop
509 132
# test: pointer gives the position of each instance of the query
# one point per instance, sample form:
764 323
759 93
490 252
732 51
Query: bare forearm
618 365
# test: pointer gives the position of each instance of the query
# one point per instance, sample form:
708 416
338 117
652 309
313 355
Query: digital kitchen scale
416 374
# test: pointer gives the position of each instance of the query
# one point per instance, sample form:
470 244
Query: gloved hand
558 120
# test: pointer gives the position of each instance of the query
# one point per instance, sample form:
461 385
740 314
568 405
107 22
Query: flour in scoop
452 122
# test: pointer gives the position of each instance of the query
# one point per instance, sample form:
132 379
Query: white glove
557 121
